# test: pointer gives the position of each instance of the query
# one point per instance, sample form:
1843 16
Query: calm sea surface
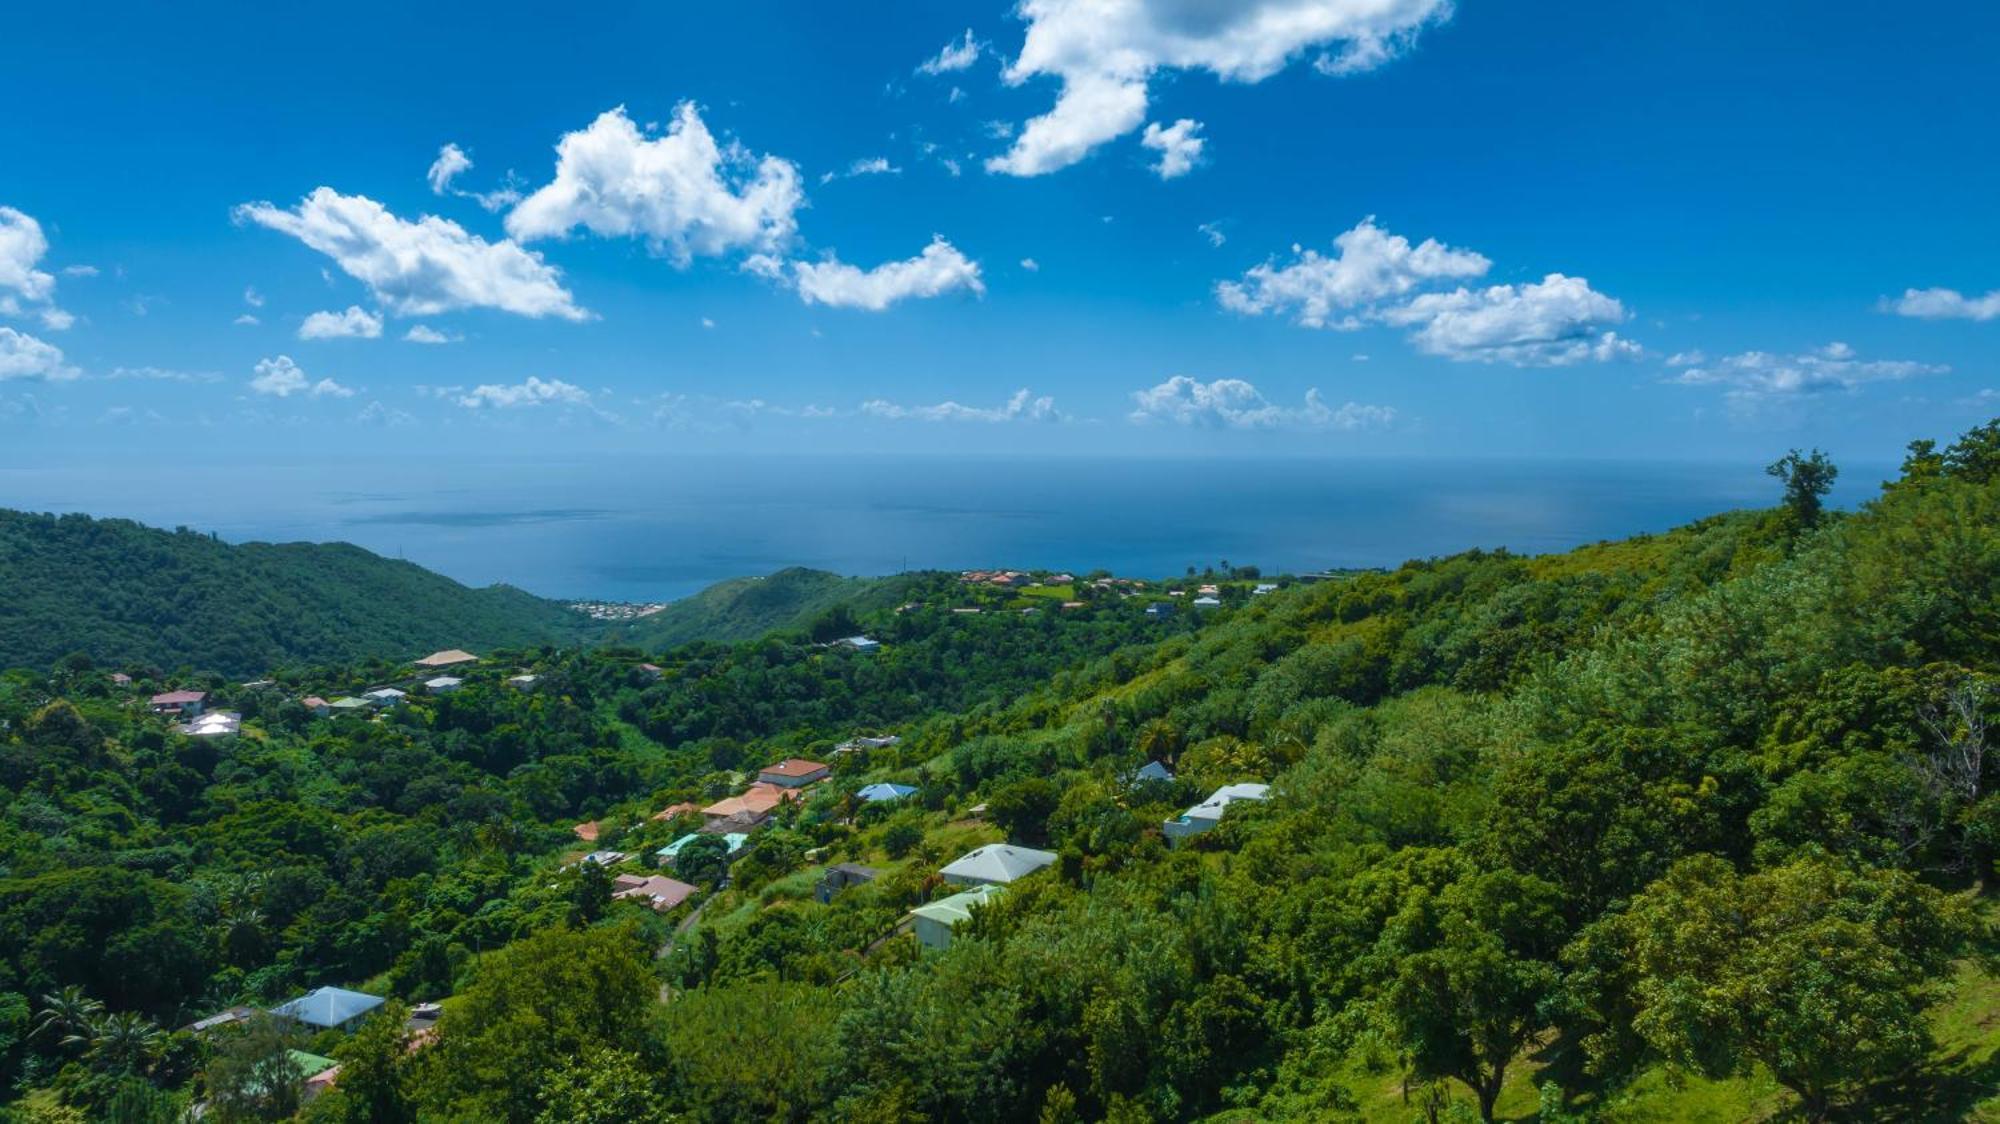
647 529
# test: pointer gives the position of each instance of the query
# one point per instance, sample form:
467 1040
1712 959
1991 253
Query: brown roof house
740 813
793 772
657 890
450 657
186 703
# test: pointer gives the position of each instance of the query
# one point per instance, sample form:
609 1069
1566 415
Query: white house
443 684
1205 815
386 696
1207 603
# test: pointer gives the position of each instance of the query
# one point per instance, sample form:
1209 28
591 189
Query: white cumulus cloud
1755 375
684 194
1946 304
1236 404
939 269
1554 322
355 323
1376 277
1178 144
22 245
1371 265
281 378
1106 52
1023 406
22 356
451 160
424 333
419 268
959 54
533 392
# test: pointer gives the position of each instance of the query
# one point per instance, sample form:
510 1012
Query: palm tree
127 1041
68 1013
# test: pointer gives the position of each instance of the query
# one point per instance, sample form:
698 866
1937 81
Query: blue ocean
644 529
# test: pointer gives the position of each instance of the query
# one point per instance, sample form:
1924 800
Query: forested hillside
1693 826
747 608
125 593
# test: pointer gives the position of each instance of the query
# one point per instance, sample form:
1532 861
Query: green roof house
934 922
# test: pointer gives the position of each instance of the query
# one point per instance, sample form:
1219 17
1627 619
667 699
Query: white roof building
1205 815
443 683
996 864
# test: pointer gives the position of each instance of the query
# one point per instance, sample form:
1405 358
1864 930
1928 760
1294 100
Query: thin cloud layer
420 268
1022 407
959 54
1762 375
1106 52
682 193
1236 404
533 392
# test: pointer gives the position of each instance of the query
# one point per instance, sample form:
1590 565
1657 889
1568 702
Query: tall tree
1808 478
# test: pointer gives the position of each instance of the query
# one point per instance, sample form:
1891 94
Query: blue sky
1341 227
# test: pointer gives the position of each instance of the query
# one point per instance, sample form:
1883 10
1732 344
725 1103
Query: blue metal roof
885 791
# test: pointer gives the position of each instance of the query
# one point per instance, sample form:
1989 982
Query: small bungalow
605 858
883 792
385 696
316 706
1153 771
588 831
184 703
734 840
858 644
856 745
934 922
1205 815
450 657
329 1008
1159 610
524 682
120 679
220 1019
1264 588
793 772
996 864
443 684
350 705
321 1074
841 876
651 670
741 813
658 891
672 810
1207 603
214 724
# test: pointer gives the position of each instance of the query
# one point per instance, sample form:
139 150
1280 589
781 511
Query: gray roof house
996 864
934 922
329 1008
1205 815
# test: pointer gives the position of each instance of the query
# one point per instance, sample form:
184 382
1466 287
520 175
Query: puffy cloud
424 333
23 356
959 54
451 160
1371 265
22 245
1236 404
1551 323
419 268
534 392
1023 406
282 378
1178 145
939 269
1945 304
355 323
1380 278
681 192
1031 265
1759 375
1105 53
